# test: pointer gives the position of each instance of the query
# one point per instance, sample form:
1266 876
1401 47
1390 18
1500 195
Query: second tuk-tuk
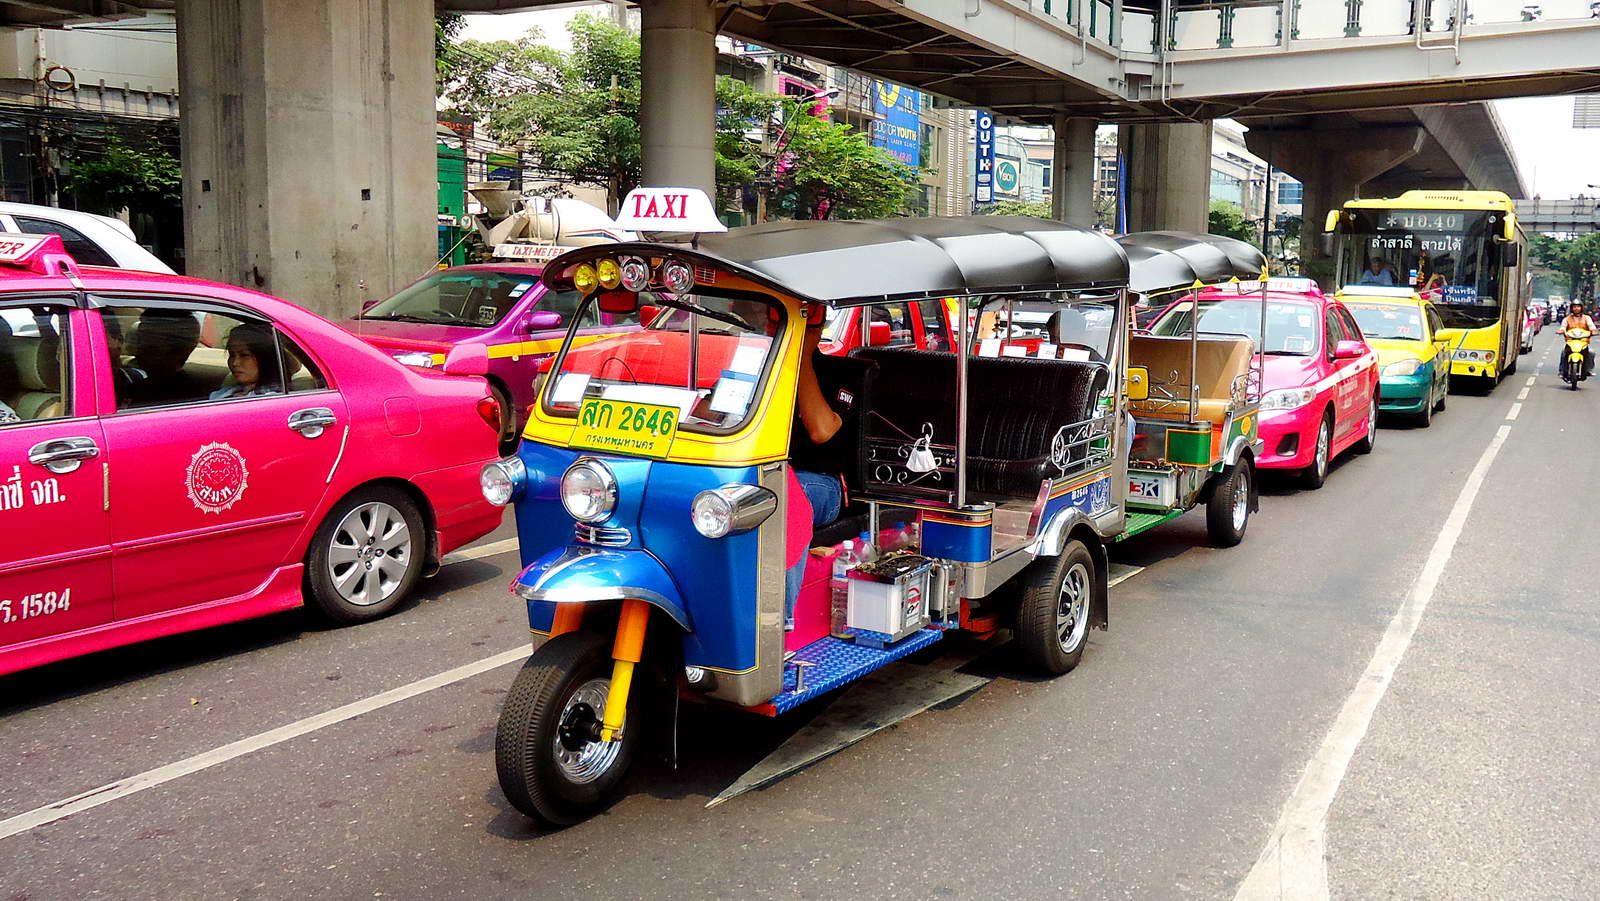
657 508
1197 397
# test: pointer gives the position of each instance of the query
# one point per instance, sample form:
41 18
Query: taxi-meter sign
668 210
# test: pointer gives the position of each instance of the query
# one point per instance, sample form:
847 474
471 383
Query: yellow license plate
624 427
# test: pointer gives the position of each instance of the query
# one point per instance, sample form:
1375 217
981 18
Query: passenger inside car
162 343
252 363
9 384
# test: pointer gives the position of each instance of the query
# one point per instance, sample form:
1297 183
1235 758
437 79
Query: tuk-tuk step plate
832 662
1139 521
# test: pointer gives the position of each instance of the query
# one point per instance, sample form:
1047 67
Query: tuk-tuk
984 489
1196 417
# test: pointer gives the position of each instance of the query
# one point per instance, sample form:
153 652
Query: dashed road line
1294 865
1511 414
493 549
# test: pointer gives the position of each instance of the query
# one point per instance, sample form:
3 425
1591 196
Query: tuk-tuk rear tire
1038 638
524 746
1224 525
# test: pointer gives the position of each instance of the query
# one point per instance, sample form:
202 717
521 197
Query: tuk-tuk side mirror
542 320
647 314
619 303
467 359
1138 383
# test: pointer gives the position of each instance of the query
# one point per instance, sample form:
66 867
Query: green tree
1571 258
741 110
828 170
1017 208
142 175
1227 219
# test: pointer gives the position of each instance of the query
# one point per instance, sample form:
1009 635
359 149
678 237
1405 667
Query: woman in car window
252 362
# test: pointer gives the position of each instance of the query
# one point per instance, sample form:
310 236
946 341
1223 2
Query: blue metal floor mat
830 663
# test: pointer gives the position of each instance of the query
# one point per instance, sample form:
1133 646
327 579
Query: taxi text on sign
668 210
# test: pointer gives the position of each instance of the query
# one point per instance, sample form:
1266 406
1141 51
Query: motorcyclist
1578 317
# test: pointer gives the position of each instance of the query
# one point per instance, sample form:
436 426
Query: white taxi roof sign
42 254
668 210
18 248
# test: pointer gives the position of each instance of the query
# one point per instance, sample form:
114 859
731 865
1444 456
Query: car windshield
1391 321
706 357
1291 324
474 298
1079 330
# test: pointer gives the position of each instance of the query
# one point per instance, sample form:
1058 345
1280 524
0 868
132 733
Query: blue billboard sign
983 167
898 126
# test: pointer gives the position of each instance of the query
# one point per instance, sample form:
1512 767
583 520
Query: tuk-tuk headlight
588 490
678 277
635 274
502 481
584 278
731 509
609 275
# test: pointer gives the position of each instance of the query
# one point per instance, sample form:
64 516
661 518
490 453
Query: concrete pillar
1333 164
1169 175
309 165
677 94
1072 175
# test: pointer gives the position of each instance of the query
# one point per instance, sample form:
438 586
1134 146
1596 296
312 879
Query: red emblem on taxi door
217 477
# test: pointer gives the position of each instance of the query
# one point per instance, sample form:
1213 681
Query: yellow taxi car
1413 369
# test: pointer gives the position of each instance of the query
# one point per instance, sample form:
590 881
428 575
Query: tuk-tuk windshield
1291 324
708 364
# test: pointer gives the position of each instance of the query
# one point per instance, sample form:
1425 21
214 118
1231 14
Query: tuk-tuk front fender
581 575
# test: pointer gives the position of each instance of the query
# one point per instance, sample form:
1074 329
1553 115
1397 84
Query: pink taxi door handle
311 422
62 455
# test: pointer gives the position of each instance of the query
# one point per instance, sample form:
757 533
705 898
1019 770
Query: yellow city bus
1463 250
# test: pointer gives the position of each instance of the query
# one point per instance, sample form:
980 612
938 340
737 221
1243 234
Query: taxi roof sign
43 254
668 210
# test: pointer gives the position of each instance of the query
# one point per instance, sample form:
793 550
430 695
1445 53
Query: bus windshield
1449 256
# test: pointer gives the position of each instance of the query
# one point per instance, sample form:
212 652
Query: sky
1556 159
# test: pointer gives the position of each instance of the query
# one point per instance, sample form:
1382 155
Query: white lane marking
206 759
1512 413
1122 572
1523 394
1293 865
1533 379
483 550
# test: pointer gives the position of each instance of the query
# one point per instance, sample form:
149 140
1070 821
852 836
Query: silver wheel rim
1372 422
1072 608
1241 500
591 761
1322 448
369 554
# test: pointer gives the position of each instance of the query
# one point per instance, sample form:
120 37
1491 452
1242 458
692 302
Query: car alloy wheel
370 553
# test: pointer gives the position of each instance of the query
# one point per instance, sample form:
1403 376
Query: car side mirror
879 333
467 359
541 321
647 314
368 304
1348 350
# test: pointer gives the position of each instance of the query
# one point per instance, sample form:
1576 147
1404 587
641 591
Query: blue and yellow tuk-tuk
1196 425
654 497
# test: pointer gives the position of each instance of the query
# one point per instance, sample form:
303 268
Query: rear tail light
489 410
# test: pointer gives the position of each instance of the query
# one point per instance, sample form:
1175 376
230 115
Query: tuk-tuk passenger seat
1220 362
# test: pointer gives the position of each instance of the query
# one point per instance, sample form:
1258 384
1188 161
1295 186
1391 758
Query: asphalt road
1157 770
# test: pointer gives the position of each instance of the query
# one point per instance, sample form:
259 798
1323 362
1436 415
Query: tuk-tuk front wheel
1055 608
547 750
1228 508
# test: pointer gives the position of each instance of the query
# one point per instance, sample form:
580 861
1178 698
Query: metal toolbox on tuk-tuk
653 484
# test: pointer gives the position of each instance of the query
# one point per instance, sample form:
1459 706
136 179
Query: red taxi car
1320 396
176 454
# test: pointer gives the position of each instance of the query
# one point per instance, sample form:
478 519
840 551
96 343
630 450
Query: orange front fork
626 651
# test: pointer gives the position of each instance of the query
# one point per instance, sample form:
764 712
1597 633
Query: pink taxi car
1320 396
176 454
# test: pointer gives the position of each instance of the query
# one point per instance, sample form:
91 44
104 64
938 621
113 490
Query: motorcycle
1572 369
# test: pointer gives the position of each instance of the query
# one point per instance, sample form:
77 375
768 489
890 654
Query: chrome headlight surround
731 509
589 490
1288 398
1408 366
419 358
502 481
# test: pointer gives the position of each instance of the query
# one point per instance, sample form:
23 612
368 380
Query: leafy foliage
139 175
1227 219
828 170
1036 209
1572 258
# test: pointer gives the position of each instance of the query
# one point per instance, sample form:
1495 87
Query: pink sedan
1320 395
176 454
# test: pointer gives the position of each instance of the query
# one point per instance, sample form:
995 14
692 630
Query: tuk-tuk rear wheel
547 768
1228 509
1055 608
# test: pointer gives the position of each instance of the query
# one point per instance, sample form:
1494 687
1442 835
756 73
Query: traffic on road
605 557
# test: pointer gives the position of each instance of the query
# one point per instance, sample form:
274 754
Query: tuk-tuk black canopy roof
865 261
1167 260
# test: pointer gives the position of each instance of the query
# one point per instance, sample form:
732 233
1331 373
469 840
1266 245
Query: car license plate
625 427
